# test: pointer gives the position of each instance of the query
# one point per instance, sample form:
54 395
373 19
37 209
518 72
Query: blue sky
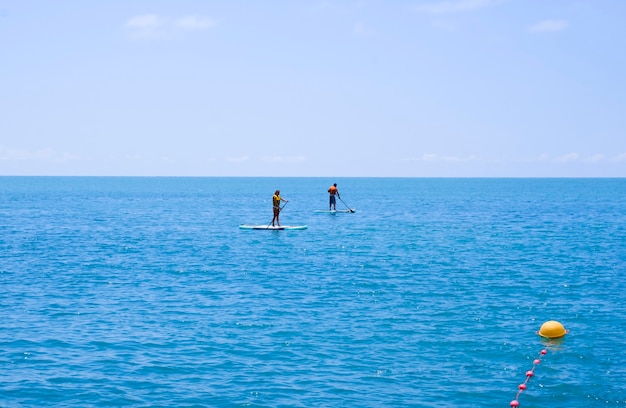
422 88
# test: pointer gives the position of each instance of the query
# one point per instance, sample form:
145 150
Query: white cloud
168 160
151 26
446 7
194 23
569 157
147 21
431 157
148 26
44 154
595 158
564 158
238 159
549 26
281 159
619 158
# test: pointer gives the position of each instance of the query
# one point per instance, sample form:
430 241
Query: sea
144 292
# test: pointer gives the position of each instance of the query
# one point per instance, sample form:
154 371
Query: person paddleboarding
332 204
276 199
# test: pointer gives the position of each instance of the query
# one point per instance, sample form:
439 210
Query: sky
313 88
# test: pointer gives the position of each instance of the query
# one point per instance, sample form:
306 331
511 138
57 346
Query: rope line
529 374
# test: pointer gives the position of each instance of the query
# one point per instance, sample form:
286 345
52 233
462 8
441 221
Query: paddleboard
266 227
335 211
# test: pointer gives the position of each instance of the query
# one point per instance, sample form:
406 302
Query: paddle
351 210
279 210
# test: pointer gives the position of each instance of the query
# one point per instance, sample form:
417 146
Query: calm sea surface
144 292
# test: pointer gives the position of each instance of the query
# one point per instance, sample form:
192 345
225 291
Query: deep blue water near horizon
144 292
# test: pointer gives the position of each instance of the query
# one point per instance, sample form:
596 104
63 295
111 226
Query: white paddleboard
335 211
269 227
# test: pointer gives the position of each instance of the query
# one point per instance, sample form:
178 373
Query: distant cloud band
148 21
43 154
151 26
549 26
194 23
565 158
446 7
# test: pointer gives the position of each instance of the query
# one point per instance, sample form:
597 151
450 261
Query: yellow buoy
552 330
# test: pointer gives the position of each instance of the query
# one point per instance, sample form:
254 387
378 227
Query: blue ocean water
144 292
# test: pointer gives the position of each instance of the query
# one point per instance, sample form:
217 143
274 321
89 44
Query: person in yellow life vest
276 204
332 205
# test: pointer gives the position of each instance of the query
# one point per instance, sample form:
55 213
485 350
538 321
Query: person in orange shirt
333 192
